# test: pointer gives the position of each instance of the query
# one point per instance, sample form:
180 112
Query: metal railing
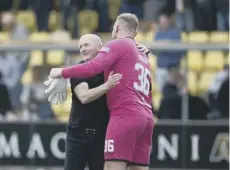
72 46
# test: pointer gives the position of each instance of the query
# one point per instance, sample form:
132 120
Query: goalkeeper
89 114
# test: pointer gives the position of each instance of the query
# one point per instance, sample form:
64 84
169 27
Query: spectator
13 64
42 10
185 14
222 7
166 32
206 15
153 7
174 85
171 104
133 6
17 30
70 9
101 6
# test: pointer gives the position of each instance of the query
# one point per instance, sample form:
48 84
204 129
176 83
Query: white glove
56 91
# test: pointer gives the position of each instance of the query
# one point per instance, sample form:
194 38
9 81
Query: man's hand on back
143 48
113 80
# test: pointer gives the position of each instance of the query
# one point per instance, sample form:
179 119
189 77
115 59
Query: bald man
89 114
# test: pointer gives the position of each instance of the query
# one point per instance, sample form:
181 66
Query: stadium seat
140 37
55 57
88 21
184 37
60 36
54 20
198 37
219 37
39 36
4 36
214 60
150 36
205 81
36 58
157 100
192 83
27 18
195 60
27 77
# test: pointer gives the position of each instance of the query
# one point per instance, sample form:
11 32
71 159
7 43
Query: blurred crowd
190 15
196 21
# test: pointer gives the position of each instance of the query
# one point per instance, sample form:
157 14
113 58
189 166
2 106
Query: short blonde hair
129 20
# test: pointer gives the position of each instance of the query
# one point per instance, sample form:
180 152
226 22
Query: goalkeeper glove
56 90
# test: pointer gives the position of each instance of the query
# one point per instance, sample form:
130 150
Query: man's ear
99 47
117 28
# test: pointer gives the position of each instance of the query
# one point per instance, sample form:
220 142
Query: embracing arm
86 95
108 55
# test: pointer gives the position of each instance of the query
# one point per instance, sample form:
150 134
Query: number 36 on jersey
144 79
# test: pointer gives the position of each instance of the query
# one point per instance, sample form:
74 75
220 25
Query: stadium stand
202 65
41 123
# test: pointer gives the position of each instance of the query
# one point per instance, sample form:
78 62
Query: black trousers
84 147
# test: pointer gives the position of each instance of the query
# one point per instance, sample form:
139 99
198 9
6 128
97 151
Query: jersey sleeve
108 55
